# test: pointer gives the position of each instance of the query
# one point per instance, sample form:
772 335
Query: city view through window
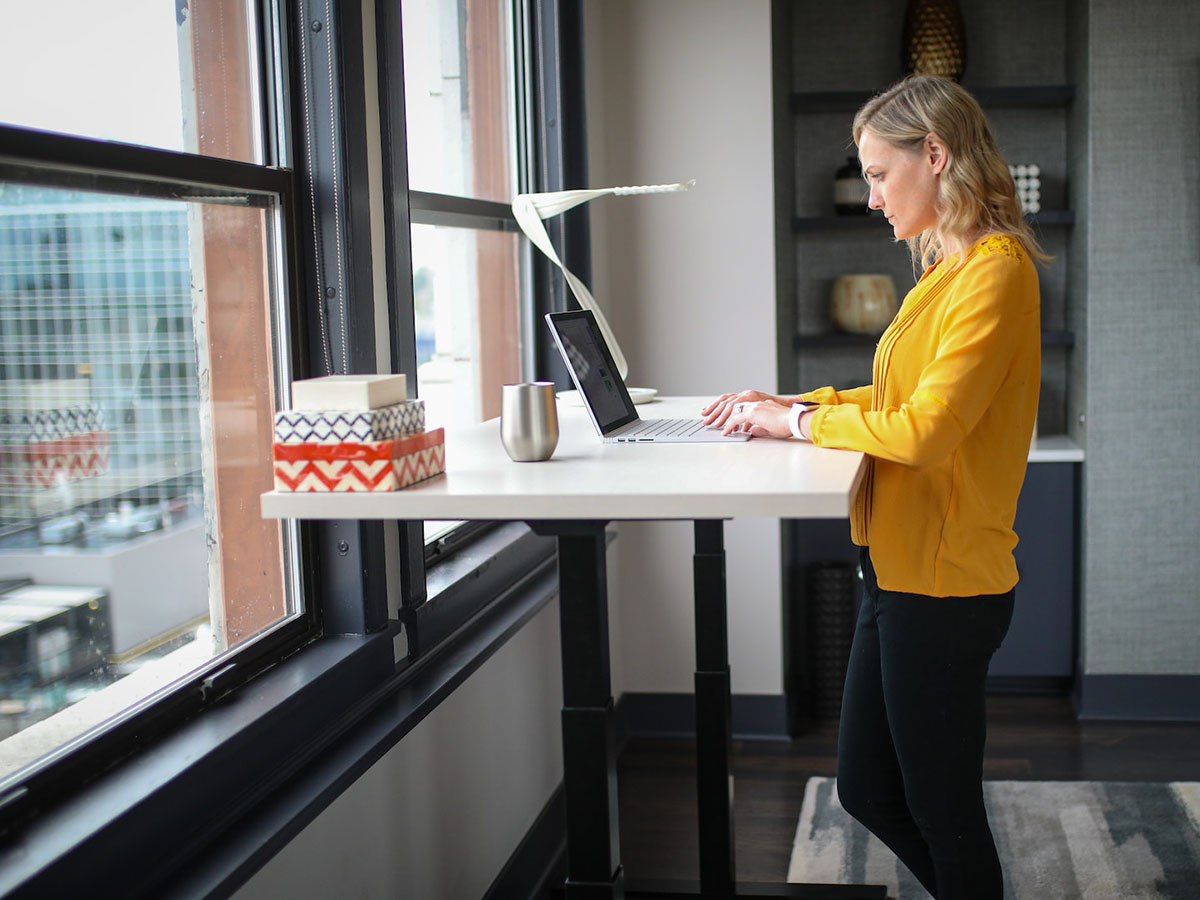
138 363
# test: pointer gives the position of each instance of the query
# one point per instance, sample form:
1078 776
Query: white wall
439 816
681 89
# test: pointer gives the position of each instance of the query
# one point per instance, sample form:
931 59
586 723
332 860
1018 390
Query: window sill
32 743
199 811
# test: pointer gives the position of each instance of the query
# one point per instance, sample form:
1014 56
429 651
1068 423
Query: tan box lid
348 392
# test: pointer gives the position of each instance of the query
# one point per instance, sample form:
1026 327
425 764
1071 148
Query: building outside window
142 348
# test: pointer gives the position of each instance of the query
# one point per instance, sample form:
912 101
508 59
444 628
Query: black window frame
70 162
552 156
196 807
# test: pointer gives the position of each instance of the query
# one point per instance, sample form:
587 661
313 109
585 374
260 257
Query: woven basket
935 42
831 588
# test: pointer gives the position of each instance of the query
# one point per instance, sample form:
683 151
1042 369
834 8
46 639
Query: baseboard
755 716
1028 684
1165 698
529 871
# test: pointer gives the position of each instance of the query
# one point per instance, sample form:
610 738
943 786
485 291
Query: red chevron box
360 466
71 458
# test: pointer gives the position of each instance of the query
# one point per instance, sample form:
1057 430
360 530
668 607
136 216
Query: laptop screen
586 354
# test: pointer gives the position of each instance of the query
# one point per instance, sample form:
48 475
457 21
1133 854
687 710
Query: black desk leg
589 742
589 751
714 716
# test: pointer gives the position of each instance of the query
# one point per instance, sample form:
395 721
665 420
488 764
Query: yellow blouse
946 424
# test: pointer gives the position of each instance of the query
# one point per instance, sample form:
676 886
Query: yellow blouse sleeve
859 396
992 309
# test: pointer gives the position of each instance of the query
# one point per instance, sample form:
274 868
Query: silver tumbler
529 420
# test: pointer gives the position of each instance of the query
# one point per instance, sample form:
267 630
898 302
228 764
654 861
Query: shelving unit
825 240
1019 67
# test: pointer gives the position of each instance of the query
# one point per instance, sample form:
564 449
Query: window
170 288
469 287
466 298
459 96
144 339
177 76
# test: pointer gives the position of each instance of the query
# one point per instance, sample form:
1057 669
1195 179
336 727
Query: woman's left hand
762 418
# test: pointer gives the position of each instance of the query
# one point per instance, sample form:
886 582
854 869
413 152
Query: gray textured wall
1142 527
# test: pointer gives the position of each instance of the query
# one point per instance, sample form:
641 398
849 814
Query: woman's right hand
722 408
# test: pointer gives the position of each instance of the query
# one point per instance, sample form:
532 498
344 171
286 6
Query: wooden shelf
837 339
837 223
809 224
1022 97
1052 217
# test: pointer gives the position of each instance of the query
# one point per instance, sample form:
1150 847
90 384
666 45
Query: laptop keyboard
665 428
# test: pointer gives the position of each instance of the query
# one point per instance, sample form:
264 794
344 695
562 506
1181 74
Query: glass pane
178 76
458 65
466 294
466 290
137 371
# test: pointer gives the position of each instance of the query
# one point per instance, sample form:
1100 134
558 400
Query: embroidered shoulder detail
1003 243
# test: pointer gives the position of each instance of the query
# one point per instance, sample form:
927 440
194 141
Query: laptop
604 393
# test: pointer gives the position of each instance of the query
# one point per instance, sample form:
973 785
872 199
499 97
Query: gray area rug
1065 840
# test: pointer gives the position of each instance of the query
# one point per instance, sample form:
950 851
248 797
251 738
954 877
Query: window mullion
560 135
342 298
393 131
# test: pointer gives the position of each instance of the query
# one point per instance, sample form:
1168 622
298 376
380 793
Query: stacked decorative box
354 433
51 432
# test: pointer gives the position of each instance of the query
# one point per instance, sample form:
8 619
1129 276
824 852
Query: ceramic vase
935 41
863 304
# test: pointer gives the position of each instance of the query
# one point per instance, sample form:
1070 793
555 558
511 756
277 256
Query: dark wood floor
1028 738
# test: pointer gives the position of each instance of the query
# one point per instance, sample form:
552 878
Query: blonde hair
975 189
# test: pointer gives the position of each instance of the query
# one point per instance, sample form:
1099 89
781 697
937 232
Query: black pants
910 747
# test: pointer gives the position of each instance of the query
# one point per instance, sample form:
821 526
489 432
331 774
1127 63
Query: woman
946 425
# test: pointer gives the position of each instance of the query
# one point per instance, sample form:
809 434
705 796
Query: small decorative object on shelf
1028 178
354 433
850 190
863 304
935 42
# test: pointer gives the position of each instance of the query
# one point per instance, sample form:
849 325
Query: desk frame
600 483
594 868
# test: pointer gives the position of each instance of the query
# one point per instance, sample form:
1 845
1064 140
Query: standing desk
573 496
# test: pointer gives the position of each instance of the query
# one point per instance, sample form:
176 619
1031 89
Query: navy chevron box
28 426
337 426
